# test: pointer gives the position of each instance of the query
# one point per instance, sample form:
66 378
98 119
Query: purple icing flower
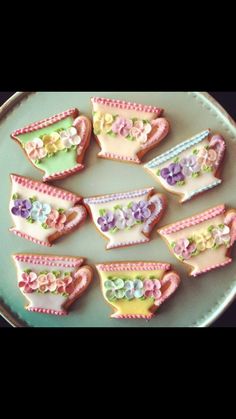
122 126
22 208
190 165
173 173
141 211
107 222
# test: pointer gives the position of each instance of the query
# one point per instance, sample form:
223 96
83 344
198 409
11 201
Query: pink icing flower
65 285
28 282
56 220
152 288
140 131
35 149
122 126
207 157
47 282
184 248
221 235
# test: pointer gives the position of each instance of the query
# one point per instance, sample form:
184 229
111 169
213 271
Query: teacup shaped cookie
126 131
56 145
126 219
51 284
203 242
192 167
136 290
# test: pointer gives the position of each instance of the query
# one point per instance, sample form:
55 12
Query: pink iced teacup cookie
126 219
203 242
136 290
126 131
51 284
190 168
56 145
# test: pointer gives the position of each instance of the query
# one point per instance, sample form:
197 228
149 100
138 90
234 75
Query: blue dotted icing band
203 189
173 152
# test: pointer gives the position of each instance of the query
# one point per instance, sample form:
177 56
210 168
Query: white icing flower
70 137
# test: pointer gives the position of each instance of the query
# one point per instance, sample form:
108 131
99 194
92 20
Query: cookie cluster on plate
42 213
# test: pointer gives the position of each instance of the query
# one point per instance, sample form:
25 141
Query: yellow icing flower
102 122
204 241
53 143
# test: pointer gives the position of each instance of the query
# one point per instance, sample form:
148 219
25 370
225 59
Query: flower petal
119 283
120 293
109 285
138 293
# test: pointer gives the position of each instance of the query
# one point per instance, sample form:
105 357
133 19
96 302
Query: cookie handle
81 280
217 143
169 284
158 205
230 221
83 126
160 128
75 216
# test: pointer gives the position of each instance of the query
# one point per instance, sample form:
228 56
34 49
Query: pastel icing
51 283
56 145
191 167
203 242
40 211
136 290
125 130
126 218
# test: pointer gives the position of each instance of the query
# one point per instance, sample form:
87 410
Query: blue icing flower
40 211
134 289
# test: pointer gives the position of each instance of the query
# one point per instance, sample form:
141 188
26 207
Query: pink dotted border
117 157
45 122
59 175
197 219
30 238
121 104
132 316
59 261
139 266
219 265
47 311
46 189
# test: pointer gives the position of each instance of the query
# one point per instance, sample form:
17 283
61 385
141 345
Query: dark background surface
228 101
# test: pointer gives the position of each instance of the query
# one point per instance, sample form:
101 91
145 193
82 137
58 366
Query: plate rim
12 317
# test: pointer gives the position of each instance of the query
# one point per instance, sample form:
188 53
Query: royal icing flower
56 220
190 165
173 174
115 289
221 235
22 208
152 288
64 285
124 218
28 282
140 131
141 210
107 222
184 248
40 211
102 122
122 126
35 149
204 241
53 143
47 282
134 289
207 157
70 137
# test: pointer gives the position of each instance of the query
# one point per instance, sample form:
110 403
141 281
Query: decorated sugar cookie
126 219
43 213
126 131
192 167
203 242
51 284
56 145
135 290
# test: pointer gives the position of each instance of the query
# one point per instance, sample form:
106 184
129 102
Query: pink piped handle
230 220
81 214
82 125
162 130
217 143
174 280
81 279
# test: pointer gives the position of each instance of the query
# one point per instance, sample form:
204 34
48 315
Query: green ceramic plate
198 301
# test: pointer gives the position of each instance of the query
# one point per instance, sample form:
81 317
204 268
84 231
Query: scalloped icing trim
30 238
210 268
173 152
35 126
203 189
47 311
59 261
121 104
132 267
127 243
59 175
132 316
117 157
109 198
197 219
46 189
